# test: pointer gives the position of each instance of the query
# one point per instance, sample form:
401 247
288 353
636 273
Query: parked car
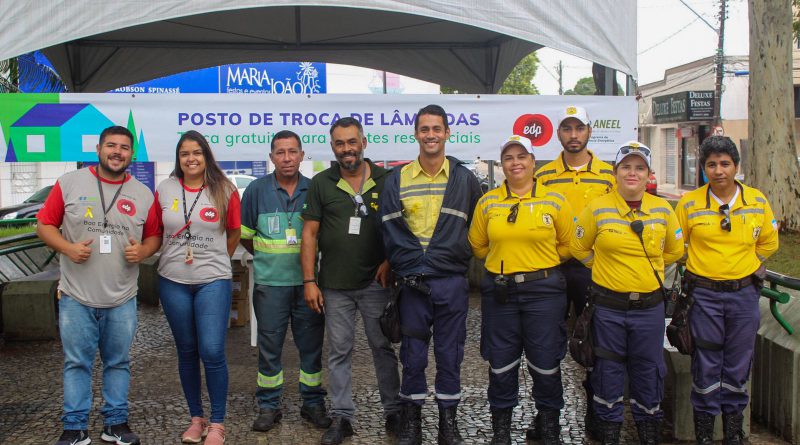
241 182
28 208
652 185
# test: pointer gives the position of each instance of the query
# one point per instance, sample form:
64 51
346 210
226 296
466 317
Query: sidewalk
30 398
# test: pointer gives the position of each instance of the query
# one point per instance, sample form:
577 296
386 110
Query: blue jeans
340 320
198 316
274 307
83 330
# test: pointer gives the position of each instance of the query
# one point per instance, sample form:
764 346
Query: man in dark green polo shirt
341 225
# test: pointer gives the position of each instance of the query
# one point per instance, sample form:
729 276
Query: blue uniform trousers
531 320
637 335
730 319
445 310
578 277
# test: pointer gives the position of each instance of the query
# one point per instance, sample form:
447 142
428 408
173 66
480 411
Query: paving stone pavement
31 394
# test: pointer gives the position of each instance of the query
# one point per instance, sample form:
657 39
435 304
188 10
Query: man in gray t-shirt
108 225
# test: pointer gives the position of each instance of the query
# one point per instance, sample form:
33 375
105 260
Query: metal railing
775 296
16 251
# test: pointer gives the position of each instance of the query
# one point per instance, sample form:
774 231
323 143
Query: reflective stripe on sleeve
454 212
391 216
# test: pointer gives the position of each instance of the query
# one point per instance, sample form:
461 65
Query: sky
668 35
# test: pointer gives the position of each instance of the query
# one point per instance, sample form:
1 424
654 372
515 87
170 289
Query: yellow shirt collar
562 166
416 169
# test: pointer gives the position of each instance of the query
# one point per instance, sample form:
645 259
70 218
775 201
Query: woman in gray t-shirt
199 211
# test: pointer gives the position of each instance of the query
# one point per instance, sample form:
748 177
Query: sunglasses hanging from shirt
514 210
725 223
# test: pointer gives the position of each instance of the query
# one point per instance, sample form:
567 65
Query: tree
796 18
36 76
585 87
772 163
519 81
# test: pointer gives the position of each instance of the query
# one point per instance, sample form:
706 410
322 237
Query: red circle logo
209 214
536 127
126 207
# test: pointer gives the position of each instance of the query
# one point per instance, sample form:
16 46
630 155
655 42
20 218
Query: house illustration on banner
56 132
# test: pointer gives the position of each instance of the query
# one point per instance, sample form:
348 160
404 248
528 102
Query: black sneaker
120 435
74 437
267 418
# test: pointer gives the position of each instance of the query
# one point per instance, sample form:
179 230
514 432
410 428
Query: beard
351 166
575 150
105 165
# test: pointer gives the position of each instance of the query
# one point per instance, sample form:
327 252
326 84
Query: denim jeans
83 330
340 320
274 307
198 316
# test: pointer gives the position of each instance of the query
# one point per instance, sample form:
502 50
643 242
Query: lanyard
285 208
103 198
187 215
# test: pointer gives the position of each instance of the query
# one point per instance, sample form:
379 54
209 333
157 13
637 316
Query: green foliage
585 87
796 21
519 81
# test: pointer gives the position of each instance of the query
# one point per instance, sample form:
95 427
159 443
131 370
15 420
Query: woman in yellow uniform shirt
522 228
627 237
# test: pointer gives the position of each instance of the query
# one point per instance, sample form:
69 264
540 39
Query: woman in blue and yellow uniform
730 230
522 228
627 237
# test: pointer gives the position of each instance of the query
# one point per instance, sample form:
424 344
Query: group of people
578 232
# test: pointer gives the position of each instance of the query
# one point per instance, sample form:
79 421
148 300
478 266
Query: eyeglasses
628 149
361 208
725 223
512 214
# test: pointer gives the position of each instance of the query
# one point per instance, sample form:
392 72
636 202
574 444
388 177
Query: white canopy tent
472 45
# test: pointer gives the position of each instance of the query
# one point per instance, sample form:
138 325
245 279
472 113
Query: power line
669 36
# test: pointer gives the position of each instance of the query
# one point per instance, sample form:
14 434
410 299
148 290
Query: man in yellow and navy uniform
425 210
628 320
581 177
524 239
730 231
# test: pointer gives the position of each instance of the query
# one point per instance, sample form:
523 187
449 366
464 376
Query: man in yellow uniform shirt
581 177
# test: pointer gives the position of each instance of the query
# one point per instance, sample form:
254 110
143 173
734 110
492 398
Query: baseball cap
633 148
575 112
519 140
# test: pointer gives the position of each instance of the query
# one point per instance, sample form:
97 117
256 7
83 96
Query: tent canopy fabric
471 45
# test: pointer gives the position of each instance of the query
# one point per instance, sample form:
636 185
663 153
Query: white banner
239 127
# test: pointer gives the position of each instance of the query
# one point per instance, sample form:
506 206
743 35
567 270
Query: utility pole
720 59
560 71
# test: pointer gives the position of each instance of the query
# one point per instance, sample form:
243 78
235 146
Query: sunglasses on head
628 149
725 223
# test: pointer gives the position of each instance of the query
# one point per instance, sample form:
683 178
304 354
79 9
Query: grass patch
785 259
16 230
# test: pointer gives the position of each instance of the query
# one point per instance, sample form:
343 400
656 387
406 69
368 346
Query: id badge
105 244
354 228
291 236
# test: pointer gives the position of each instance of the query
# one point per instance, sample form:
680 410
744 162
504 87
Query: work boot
316 414
267 418
549 427
448 427
534 431
339 429
704 428
393 423
411 429
649 431
590 422
609 431
732 433
501 426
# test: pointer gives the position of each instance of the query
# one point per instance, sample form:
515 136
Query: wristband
313 280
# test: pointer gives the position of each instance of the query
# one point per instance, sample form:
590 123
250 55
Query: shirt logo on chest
209 214
126 207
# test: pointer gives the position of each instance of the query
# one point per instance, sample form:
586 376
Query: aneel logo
209 214
536 127
126 207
